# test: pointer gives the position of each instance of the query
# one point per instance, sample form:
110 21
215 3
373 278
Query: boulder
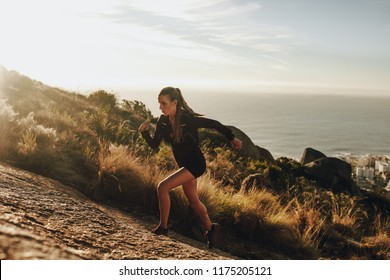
310 155
249 149
332 173
264 154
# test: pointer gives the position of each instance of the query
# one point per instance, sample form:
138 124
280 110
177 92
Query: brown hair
181 107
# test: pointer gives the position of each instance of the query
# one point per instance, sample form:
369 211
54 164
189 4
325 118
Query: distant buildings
382 166
382 170
371 172
365 172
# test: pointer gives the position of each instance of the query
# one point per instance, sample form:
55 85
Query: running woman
178 126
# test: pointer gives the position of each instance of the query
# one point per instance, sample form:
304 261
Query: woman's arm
210 123
201 122
156 140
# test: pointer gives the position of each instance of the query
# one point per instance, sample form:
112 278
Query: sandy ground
43 219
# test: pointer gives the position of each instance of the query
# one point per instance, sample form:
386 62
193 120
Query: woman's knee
162 187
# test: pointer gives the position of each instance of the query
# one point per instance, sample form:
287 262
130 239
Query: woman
178 126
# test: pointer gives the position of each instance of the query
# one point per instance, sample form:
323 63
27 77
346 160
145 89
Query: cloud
172 8
220 31
223 10
279 61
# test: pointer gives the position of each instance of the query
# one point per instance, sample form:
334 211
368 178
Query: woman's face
167 106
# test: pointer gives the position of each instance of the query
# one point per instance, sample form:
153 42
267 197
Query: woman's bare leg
190 190
174 180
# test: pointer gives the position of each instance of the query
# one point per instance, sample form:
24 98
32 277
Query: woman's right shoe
212 236
160 230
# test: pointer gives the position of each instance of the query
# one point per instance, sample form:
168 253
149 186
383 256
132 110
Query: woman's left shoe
212 236
160 230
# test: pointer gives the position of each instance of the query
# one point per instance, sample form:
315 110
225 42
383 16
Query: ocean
287 124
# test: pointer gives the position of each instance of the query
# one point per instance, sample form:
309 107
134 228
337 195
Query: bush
36 145
102 98
7 123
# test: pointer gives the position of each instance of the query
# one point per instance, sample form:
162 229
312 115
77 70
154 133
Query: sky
251 46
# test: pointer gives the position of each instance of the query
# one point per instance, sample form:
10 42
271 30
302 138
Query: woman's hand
237 143
143 127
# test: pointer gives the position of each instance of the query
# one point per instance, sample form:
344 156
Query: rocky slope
43 219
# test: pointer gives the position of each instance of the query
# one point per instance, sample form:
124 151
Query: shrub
102 98
138 108
127 180
7 122
36 145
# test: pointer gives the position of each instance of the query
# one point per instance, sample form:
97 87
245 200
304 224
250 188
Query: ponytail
184 104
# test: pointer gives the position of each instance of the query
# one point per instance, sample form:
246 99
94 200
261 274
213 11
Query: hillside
44 219
268 208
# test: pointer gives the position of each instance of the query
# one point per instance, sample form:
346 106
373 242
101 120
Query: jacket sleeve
156 140
201 122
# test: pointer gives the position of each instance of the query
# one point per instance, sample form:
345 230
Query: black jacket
189 144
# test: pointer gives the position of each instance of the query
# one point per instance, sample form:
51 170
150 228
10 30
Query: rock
310 155
329 172
264 154
249 149
332 173
336 165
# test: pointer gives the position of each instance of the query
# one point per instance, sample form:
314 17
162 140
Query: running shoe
160 231
212 236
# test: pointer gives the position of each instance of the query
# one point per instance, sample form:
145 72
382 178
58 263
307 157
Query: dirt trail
43 219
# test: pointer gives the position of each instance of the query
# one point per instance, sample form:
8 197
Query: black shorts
195 164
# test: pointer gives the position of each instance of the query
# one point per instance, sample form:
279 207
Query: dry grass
256 215
128 179
343 213
379 242
221 166
309 222
346 215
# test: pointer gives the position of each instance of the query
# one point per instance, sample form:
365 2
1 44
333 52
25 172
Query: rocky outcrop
309 155
249 149
43 219
329 172
264 154
332 173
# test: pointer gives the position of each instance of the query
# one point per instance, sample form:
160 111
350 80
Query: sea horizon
286 124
